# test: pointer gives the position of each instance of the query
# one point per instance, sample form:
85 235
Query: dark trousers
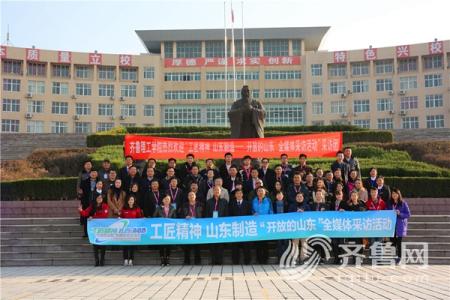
281 247
262 253
164 251
356 241
336 249
99 250
397 243
187 253
216 253
236 253
128 252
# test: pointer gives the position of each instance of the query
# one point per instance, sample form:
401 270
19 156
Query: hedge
64 188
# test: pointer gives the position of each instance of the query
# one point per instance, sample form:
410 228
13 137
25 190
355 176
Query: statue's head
245 92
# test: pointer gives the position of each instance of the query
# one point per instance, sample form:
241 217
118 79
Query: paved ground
227 282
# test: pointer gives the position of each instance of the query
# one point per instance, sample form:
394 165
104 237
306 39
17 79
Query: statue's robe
245 122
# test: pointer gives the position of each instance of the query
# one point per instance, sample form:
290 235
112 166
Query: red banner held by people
313 145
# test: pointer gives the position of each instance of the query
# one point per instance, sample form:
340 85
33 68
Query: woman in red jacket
97 210
130 211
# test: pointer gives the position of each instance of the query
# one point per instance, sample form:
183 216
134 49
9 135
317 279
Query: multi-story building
182 81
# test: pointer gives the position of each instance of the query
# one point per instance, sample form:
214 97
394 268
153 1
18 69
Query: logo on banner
119 230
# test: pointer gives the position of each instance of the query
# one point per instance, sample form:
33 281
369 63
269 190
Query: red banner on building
313 145
220 61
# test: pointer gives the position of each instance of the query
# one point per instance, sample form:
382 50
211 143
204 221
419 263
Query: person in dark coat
152 199
166 210
384 191
192 210
238 206
123 172
223 169
267 175
216 207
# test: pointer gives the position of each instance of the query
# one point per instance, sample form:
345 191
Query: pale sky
108 26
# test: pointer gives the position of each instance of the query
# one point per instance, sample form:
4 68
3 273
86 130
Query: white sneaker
130 262
125 262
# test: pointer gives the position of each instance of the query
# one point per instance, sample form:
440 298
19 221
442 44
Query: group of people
235 188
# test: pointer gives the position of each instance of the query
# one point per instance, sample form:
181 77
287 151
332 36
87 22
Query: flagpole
243 38
226 59
233 52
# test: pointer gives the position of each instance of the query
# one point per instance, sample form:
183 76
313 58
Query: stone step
429 218
427 239
37 228
429 225
43 241
41 234
38 221
428 232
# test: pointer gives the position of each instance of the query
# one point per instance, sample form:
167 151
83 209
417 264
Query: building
181 81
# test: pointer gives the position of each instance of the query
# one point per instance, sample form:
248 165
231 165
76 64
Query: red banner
221 61
313 145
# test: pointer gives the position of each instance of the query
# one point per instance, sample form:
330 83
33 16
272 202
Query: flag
232 15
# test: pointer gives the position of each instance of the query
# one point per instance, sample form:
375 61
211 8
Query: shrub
39 189
420 186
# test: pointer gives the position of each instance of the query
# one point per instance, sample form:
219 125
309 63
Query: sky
108 26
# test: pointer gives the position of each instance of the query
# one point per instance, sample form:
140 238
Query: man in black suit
192 209
223 169
233 179
216 207
132 178
123 172
240 207
151 199
267 175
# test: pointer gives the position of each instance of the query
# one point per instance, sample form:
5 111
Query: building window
216 115
168 49
410 102
317 89
282 93
10 125
433 80
105 109
360 68
385 104
432 62
214 76
189 49
360 106
83 89
59 127
36 69
35 126
384 85
106 73
216 49
316 69
35 106
36 87
149 72
149 110
128 110
83 109
60 108
182 76
317 123
83 72
182 115
362 123
149 91
296 47
128 73
285 114
410 122
282 75
182 95
337 70
12 67
317 108
436 121
128 90
407 64
102 126
338 107
106 90
385 123
11 85
432 101
251 48
407 83
220 94
83 127
11 105
276 47
360 86
338 87
61 71
384 66
60 88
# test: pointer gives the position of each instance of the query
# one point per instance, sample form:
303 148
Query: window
213 76
128 90
11 105
360 86
436 121
360 68
216 49
296 47
317 89
83 127
35 126
12 66
337 70
189 49
360 106
384 66
35 106
149 72
282 75
385 104
168 49
128 73
282 93
83 72
384 85
407 83
59 127
182 115
409 102
407 64
434 101
10 125
317 108
61 71
60 108
316 69
338 107
385 123
149 91
317 123
106 90
362 123
337 88
433 80
128 110
251 48
106 73
105 109
182 76
149 111
276 47
11 85
83 109
284 114
83 89
181 95
432 62
220 94
36 87
216 115
36 69
102 126
410 122
60 88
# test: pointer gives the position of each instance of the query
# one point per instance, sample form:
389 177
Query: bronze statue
247 117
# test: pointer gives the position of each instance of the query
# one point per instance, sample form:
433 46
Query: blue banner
162 231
